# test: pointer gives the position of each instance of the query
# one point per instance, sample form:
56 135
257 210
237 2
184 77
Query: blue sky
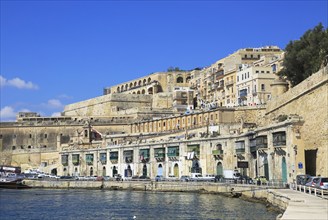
54 53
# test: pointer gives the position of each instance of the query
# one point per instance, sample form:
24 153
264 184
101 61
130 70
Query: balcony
229 83
159 155
89 162
128 160
240 150
279 139
253 149
113 158
217 152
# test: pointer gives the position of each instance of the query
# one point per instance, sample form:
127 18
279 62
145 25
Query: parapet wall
107 104
316 80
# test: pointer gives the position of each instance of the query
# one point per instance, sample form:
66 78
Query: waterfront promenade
296 204
303 206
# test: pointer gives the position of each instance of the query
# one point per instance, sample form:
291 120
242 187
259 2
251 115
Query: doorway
284 170
160 170
144 170
311 162
176 170
219 169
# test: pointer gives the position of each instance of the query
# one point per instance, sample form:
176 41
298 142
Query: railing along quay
322 193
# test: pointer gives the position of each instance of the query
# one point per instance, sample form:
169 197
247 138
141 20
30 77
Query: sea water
108 204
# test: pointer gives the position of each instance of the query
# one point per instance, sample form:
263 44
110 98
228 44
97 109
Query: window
256 71
45 136
262 87
30 135
279 138
237 78
179 79
247 74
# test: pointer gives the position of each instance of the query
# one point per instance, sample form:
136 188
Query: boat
11 178
14 184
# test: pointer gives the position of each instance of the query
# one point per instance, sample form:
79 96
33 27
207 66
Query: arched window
118 89
144 82
139 83
188 79
180 79
131 85
143 91
149 80
150 91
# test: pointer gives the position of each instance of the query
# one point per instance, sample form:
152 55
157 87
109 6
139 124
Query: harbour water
106 204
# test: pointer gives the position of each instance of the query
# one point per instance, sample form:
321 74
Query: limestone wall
309 100
106 104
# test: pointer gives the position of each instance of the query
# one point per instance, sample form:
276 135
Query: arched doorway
160 170
195 167
284 170
128 172
144 170
114 171
91 171
54 171
219 169
104 171
176 170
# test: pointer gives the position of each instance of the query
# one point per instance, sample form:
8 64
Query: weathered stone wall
309 100
250 115
107 104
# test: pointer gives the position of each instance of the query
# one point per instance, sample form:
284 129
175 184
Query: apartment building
253 85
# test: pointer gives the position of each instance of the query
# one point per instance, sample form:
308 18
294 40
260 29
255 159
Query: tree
305 56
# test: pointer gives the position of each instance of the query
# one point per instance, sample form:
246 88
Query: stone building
172 124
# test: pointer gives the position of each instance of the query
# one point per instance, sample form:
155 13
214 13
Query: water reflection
102 204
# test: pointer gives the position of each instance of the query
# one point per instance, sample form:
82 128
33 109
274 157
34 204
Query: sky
54 53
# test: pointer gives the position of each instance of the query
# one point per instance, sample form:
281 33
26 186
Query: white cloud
7 113
3 81
64 96
17 83
54 103
56 114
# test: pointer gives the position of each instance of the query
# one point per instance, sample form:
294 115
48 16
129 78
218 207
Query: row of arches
135 84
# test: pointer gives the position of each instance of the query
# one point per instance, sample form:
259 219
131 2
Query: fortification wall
106 104
309 100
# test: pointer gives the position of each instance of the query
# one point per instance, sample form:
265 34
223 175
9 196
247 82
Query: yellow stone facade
164 124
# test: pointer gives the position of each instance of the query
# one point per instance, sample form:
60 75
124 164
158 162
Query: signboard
242 164
300 165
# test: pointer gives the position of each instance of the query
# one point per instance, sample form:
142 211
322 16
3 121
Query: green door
219 169
284 170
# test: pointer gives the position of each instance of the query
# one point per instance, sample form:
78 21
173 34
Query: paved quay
303 206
